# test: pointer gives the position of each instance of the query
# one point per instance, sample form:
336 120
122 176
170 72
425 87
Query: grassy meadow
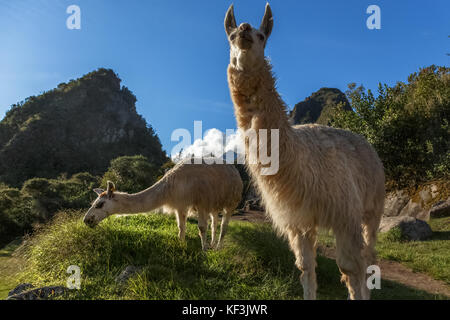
254 263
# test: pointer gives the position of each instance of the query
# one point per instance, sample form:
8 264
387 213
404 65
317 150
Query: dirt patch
251 216
397 272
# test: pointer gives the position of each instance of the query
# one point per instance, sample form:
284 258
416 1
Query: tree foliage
131 173
408 124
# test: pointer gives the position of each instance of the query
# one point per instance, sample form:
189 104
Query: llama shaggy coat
328 178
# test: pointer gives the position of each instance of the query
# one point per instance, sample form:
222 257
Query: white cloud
215 143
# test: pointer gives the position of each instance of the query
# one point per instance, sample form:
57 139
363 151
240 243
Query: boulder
43 293
440 209
415 210
395 202
411 228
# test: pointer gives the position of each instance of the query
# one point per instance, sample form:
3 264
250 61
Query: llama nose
244 27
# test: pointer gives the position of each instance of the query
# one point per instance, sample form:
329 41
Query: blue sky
173 54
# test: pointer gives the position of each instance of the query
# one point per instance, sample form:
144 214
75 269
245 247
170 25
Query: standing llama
327 178
206 189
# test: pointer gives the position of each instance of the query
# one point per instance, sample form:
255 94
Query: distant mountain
78 126
317 107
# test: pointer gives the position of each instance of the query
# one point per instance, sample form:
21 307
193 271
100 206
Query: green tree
131 173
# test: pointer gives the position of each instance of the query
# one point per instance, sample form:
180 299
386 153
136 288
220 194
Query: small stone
127 273
43 293
20 288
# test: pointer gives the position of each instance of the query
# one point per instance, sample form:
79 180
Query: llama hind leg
350 260
304 247
214 221
224 226
370 225
181 222
202 228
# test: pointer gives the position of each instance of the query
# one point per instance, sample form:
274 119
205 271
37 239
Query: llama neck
256 101
144 201
258 105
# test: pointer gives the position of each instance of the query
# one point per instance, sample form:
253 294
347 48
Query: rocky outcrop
317 108
80 126
411 228
422 204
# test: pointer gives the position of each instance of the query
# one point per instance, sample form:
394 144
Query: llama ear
110 189
98 191
267 22
230 21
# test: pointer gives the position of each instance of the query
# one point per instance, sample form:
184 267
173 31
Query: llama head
104 206
247 43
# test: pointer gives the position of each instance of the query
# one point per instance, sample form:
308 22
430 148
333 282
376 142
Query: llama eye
232 37
261 37
99 205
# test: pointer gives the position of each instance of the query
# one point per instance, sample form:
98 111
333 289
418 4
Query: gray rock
127 273
415 210
395 202
253 205
43 293
412 228
20 288
440 209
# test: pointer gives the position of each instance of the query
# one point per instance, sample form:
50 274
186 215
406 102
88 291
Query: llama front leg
181 222
304 247
202 228
224 226
349 258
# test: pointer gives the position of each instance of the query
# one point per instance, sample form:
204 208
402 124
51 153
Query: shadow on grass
440 235
262 241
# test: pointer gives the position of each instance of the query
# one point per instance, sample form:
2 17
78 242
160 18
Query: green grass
8 268
254 263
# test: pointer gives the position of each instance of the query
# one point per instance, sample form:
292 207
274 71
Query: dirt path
397 272
390 270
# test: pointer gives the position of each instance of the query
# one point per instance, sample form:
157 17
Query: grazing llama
327 178
206 189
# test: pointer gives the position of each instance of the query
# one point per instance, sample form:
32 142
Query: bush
131 173
408 124
16 216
